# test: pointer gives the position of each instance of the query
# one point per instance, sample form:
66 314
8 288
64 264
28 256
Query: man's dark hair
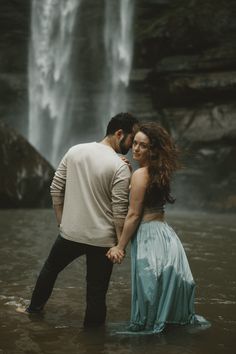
124 121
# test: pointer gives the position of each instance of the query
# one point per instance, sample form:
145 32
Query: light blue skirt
162 283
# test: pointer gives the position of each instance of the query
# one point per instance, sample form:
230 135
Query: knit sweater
92 183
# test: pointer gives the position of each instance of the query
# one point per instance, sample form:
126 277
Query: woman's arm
132 220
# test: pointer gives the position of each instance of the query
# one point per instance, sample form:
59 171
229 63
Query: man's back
96 191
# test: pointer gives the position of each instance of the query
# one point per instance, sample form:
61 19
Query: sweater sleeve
120 192
57 188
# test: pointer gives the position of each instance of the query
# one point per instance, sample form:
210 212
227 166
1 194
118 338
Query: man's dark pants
99 270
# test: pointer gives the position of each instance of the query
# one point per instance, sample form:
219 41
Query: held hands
116 254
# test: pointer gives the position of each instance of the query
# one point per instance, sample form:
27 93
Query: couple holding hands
99 208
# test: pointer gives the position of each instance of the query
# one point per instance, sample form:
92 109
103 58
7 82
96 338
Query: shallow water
26 236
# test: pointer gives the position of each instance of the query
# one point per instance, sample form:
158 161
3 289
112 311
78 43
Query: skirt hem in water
137 329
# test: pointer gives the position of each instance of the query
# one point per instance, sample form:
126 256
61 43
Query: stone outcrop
14 42
186 51
25 176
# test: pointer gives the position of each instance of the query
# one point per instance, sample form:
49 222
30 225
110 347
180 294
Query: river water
26 236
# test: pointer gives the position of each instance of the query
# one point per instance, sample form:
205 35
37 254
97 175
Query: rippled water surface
26 236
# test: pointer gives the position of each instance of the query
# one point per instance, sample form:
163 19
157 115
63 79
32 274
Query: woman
162 282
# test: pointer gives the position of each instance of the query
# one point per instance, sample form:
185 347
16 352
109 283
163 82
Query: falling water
68 103
118 39
50 82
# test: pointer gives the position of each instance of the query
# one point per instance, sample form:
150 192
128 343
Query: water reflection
26 236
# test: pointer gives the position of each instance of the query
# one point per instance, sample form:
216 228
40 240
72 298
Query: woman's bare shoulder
141 174
142 171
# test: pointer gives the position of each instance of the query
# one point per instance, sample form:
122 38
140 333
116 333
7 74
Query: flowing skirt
162 283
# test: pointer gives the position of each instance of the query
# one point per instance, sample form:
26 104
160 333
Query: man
90 197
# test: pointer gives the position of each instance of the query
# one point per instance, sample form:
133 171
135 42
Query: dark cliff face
188 51
184 75
14 41
25 176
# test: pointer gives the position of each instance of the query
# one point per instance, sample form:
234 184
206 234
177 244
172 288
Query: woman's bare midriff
153 217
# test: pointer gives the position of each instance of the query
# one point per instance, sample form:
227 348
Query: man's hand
116 254
126 161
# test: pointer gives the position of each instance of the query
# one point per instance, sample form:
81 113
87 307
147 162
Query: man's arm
58 208
57 189
120 198
119 223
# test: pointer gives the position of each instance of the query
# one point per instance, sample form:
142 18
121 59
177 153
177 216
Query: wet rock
204 124
182 27
208 181
187 51
207 135
25 176
14 43
187 80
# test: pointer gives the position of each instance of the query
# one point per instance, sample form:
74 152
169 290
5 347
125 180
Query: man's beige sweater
92 183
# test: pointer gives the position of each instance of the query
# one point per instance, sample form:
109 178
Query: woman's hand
116 254
126 161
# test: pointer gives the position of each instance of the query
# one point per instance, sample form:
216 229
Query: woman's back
153 204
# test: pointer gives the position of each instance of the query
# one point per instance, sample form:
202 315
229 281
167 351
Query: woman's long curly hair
164 160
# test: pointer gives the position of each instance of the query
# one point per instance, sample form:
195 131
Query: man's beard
123 149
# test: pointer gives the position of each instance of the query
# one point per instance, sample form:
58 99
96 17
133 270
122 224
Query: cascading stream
50 79
118 39
69 104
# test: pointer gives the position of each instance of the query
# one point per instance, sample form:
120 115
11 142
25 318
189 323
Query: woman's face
141 148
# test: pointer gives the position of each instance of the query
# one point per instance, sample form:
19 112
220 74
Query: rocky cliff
25 176
14 41
186 53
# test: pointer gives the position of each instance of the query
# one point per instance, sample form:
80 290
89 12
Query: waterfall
50 81
118 39
71 103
